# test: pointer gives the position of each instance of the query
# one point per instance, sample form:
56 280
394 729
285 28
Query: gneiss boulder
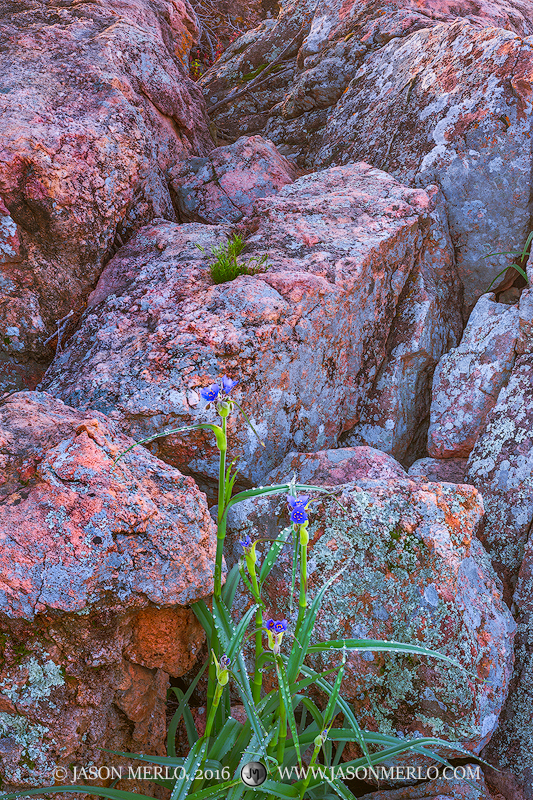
391 83
350 249
468 379
96 107
414 571
95 558
223 186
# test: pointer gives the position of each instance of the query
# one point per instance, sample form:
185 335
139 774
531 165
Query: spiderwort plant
280 724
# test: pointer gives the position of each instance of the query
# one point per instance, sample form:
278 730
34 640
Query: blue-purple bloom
278 626
211 393
228 384
215 391
297 504
245 543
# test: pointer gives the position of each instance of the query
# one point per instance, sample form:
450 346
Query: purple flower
224 662
211 393
278 626
215 391
228 384
297 504
245 543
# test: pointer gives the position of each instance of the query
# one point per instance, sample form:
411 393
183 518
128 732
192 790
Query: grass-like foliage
521 255
286 728
226 266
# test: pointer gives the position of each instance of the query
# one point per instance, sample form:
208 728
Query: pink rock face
418 110
88 552
307 338
391 82
439 470
97 107
501 466
440 789
510 749
468 379
224 186
86 529
335 467
414 571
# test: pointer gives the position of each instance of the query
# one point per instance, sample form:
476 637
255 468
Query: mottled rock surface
223 186
501 466
414 571
390 82
511 748
95 108
439 470
334 467
440 789
468 379
308 338
88 553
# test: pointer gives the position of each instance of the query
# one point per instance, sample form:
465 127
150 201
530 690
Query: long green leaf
380 645
184 711
213 792
230 587
240 630
287 699
203 426
225 739
273 553
92 791
192 762
301 645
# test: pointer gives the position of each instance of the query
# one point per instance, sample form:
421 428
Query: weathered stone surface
88 550
308 338
334 467
511 749
501 466
440 789
96 107
414 571
223 186
439 470
140 531
390 82
468 379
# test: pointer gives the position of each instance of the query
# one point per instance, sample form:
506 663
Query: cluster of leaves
285 727
521 255
226 266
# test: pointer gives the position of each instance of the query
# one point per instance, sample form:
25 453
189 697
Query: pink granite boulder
391 82
439 470
468 379
511 749
96 108
334 467
224 186
501 467
441 789
414 571
94 558
308 338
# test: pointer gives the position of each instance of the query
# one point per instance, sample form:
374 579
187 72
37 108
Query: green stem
221 534
307 778
282 736
302 603
258 675
221 528
207 733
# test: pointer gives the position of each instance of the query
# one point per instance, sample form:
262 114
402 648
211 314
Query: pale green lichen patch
31 738
41 679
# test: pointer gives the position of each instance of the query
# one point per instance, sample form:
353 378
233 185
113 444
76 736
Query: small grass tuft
226 266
